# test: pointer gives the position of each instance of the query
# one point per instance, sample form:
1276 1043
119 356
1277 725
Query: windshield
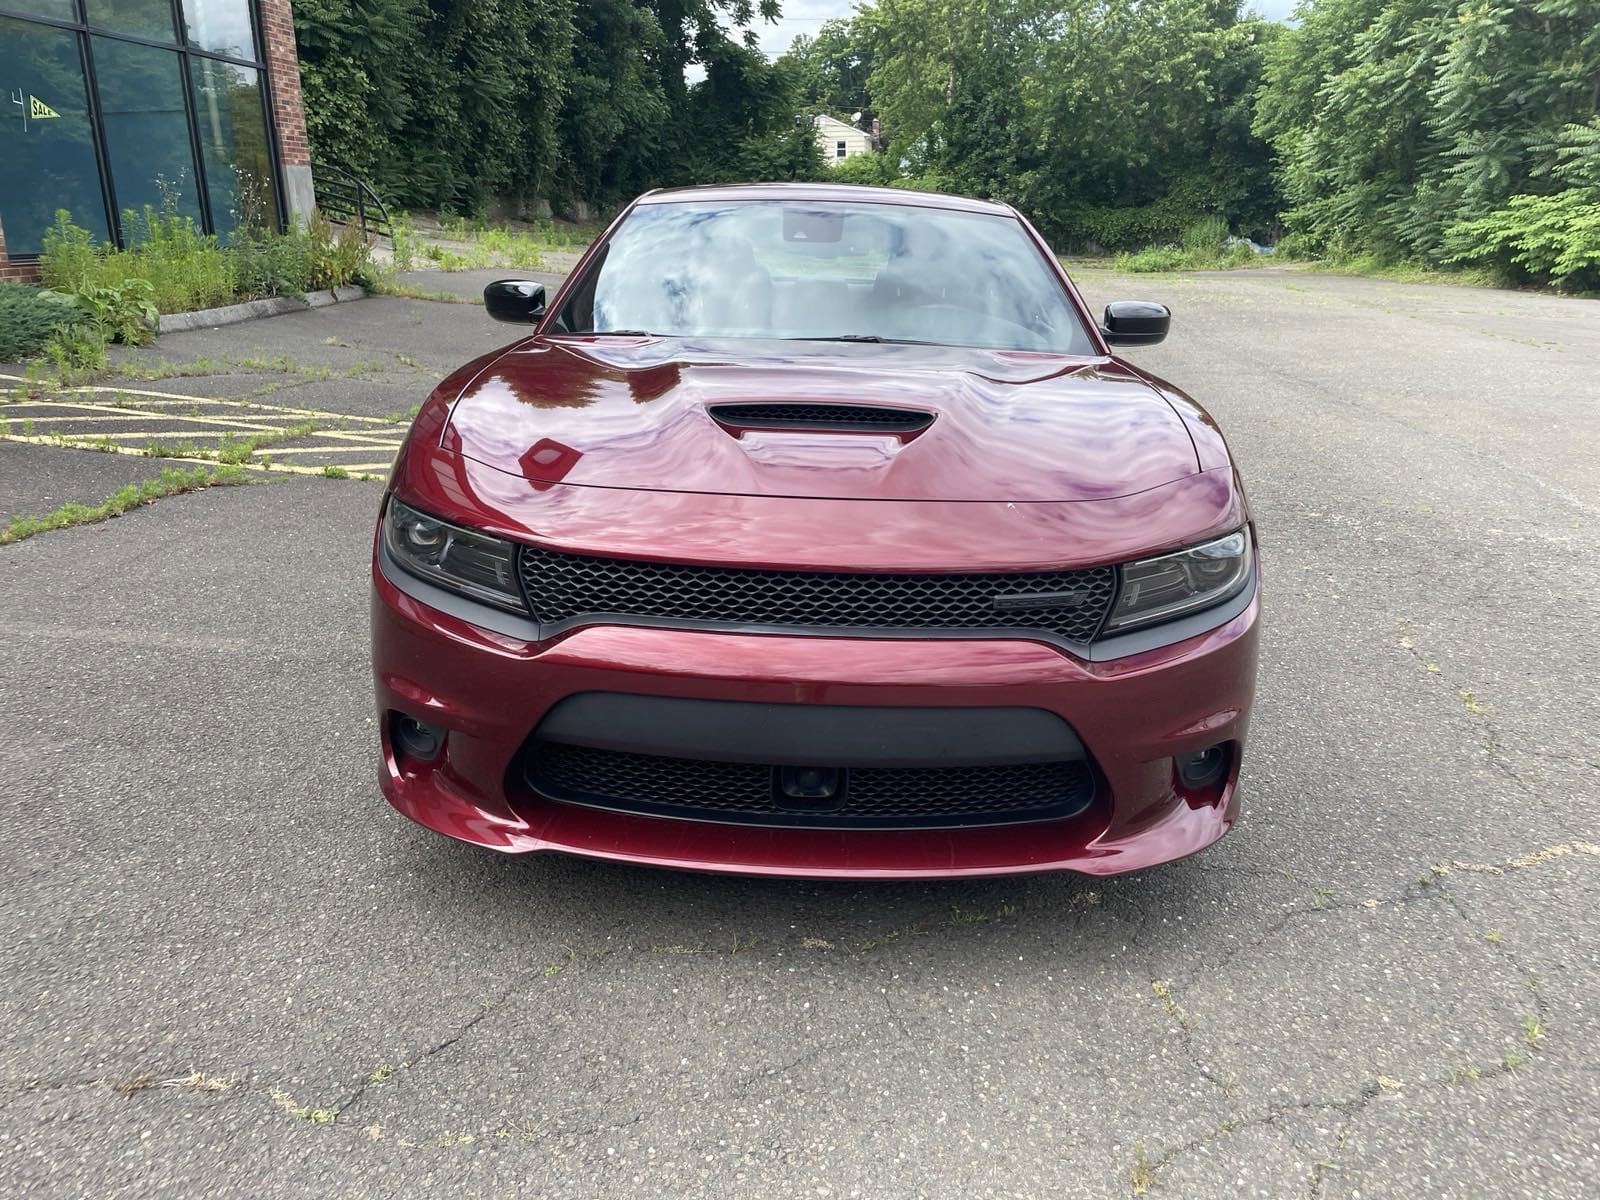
819 270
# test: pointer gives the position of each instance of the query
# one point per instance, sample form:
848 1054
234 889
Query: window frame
86 33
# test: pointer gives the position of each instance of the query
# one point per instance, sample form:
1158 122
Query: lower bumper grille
867 797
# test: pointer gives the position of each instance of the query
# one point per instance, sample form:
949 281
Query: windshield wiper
615 333
862 337
842 337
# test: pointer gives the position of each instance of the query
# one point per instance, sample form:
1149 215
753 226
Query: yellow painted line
277 450
264 408
119 416
180 397
360 439
132 416
163 433
275 469
383 466
236 426
264 411
128 417
360 442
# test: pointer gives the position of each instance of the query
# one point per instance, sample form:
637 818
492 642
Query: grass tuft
171 482
1142 1174
317 1116
406 291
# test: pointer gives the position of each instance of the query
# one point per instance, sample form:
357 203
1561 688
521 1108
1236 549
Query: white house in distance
838 140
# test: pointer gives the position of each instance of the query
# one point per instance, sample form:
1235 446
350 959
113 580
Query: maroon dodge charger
816 530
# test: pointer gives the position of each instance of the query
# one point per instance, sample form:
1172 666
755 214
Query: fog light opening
1202 768
417 739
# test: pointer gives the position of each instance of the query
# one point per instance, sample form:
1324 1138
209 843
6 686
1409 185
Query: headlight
462 560
1162 589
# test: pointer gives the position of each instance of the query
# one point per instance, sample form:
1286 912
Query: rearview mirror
1136 322
519 301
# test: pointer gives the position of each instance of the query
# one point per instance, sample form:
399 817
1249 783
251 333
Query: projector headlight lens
462 560
1153 590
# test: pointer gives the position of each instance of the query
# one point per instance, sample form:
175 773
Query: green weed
171 482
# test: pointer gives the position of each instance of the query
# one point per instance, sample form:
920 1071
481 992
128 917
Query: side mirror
1136 323
519 301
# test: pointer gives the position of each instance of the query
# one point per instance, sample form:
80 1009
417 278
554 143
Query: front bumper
489 690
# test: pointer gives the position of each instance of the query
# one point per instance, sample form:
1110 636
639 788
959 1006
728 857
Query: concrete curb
233 314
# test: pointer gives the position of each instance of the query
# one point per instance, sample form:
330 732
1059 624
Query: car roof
843 192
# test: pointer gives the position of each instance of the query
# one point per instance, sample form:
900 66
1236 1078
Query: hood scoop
817 417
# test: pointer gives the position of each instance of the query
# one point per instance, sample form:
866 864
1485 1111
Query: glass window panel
147 128
143 18
233 145
46 139
61 10
221 26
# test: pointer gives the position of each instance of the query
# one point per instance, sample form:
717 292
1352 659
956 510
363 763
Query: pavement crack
1269 1117
584 1131
1418 893
1534 1035
1162 990
894 1014
1491 743
34 1084
1520 862
1557 756
794 1064
485 1011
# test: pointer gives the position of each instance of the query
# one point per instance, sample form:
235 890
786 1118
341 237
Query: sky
803 16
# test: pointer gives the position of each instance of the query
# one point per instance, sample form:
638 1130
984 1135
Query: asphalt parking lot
230 969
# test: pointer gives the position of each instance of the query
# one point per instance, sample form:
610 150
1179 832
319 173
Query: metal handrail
345 196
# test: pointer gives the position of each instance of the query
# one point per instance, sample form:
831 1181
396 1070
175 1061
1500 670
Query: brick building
109 106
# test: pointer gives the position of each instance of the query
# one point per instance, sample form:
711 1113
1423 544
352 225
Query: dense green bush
1552 237
28 318
1192 201
873 170
1205 248
1205 238
1440 131
173 267
1297 247
932 181
77 350
1546 238
270 265
185 268
1153 259
125 313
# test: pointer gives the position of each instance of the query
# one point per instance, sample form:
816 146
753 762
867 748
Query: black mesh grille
569 587
744 793
824 416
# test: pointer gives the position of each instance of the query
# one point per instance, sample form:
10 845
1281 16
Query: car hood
636 413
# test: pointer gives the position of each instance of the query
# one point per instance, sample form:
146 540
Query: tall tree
1109 121
1396 121
614 125
446 103
831 70
693 31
